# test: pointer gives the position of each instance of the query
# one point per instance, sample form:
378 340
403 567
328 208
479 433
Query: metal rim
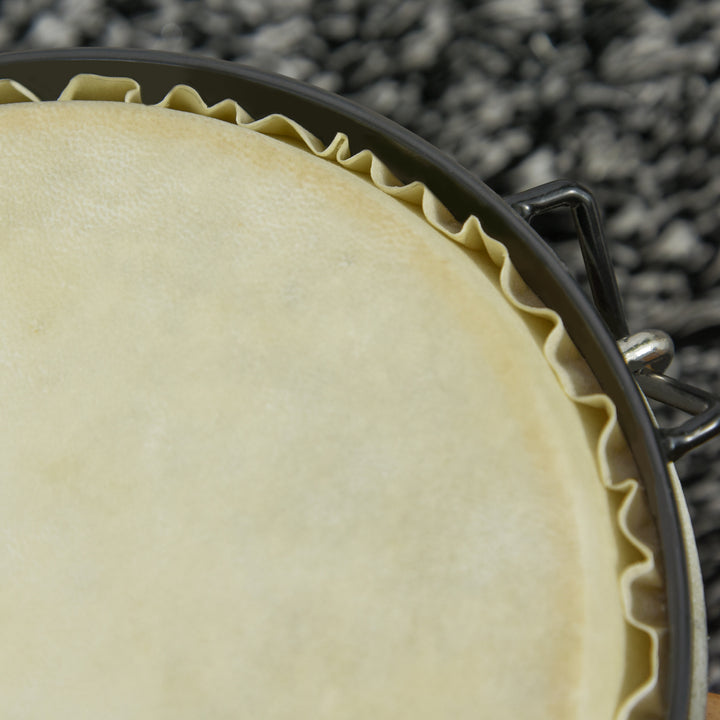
410 158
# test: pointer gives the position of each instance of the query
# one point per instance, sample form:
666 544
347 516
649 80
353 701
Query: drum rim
46 72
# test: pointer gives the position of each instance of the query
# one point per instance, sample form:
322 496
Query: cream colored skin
271 447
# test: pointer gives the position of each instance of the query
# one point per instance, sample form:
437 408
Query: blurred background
622 95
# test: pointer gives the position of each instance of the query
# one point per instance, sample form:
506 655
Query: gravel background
622 95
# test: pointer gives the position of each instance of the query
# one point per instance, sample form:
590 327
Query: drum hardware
647 353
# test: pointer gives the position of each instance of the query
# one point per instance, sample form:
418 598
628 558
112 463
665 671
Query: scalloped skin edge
640 582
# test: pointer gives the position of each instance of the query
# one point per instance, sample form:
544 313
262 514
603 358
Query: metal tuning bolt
647 350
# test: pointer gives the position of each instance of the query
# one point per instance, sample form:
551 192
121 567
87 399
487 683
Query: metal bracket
647 353
702 405
586 214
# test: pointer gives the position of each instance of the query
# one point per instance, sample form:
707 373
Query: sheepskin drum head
274 446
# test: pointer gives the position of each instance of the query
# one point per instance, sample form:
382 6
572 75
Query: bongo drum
296 423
